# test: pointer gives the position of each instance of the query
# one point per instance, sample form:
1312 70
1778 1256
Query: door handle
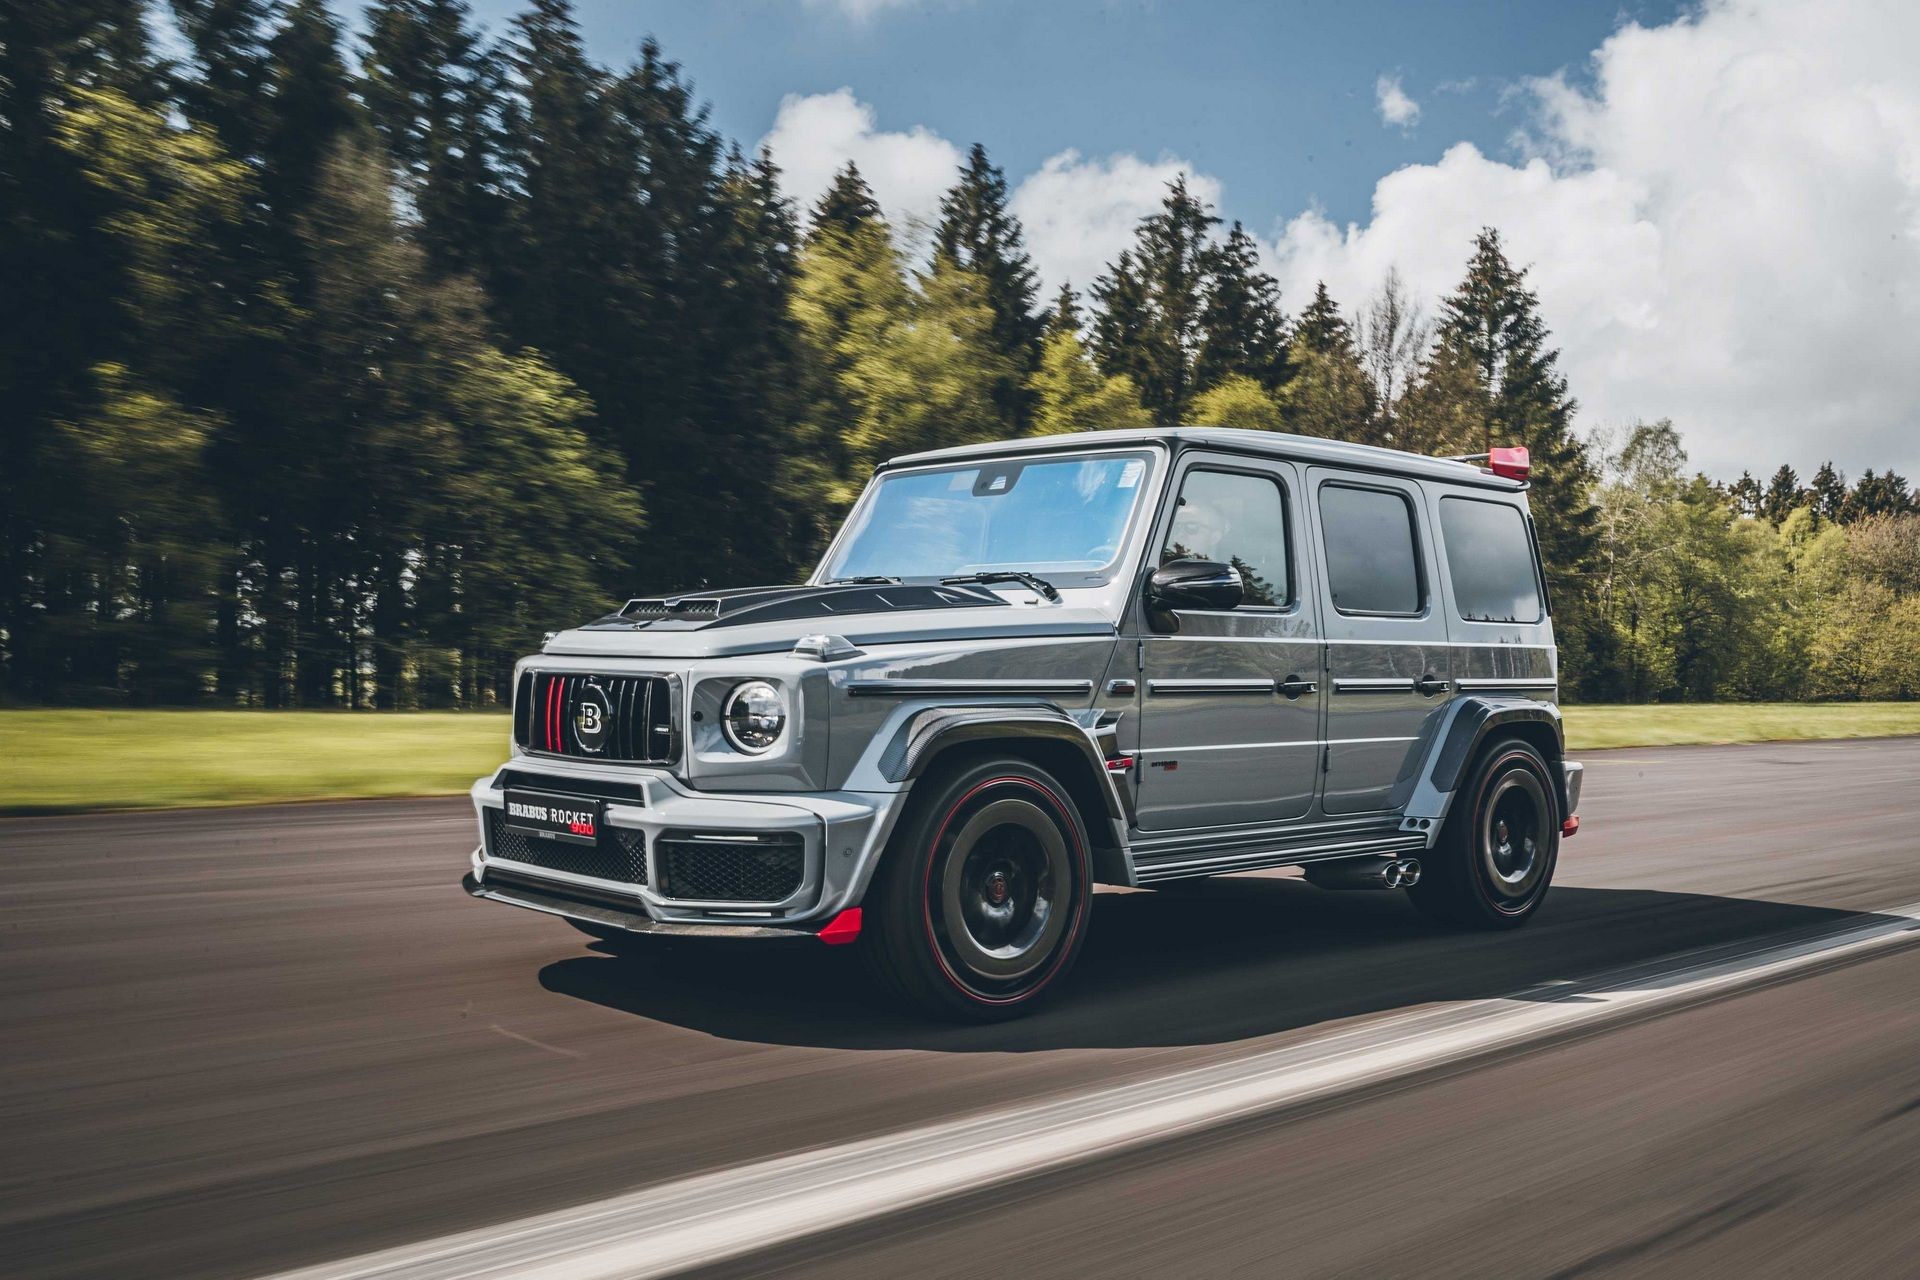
1295 686
1428 686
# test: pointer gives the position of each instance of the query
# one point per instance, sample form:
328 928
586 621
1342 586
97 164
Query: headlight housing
754 716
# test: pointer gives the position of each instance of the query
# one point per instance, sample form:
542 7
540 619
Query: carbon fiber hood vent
749 606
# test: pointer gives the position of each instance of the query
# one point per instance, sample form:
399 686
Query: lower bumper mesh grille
621 854
762 869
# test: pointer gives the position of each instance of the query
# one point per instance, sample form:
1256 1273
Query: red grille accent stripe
553 733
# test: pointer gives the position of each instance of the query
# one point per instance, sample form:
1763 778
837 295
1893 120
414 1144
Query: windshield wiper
1025 579
864 580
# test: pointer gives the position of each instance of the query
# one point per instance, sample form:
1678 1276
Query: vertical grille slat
640 709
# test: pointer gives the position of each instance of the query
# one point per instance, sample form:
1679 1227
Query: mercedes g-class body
1027 668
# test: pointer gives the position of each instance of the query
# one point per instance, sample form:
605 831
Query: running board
1282 856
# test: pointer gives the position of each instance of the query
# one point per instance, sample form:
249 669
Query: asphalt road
233 1042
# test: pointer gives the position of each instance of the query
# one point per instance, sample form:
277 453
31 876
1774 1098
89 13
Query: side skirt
1220 852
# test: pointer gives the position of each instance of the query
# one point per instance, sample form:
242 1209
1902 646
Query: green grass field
63 761
70 760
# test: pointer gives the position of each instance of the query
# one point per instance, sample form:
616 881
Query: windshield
1063 519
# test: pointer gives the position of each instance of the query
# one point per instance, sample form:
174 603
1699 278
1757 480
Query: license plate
575 819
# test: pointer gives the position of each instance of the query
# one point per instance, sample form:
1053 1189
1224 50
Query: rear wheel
1495 859
981 901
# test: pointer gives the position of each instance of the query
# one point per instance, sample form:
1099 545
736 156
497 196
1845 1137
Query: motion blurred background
344 351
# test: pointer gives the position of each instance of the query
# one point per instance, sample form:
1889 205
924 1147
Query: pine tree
435 95
1322 327
979 234
1148 325
1828 493
847 205
1877 495
1492 321
1064 315
1783 495
850 293
1243 331
1746 495
1330 395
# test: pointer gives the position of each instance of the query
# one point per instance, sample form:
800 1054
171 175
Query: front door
1389 667
1230 710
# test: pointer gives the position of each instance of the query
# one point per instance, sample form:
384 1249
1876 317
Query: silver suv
1024 669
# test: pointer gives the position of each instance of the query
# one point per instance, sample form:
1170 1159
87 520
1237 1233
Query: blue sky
1718 202
1277 100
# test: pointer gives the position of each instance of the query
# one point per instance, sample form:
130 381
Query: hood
748 606
770 619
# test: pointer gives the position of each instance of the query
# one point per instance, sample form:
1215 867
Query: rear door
1389 666
1231 706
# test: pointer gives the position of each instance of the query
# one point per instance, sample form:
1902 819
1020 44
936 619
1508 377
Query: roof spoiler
1509 464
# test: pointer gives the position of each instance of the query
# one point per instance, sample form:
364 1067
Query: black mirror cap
1196 584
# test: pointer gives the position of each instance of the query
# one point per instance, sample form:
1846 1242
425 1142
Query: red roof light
1512 463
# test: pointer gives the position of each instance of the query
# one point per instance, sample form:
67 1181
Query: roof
1273 444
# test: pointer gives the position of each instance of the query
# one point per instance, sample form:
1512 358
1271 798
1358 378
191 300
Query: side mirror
1196 584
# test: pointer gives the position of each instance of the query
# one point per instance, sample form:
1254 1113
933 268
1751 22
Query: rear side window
1372 566
1490 561
1237 519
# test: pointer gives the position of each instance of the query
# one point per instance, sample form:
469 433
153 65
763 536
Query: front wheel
981 901
1494 861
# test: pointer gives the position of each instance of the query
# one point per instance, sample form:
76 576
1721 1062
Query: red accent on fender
842 929
1120 764
1571 827
1514 463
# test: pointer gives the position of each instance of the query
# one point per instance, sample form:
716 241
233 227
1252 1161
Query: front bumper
840 834
589 910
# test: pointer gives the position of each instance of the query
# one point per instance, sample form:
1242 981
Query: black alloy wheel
1494 861
981 901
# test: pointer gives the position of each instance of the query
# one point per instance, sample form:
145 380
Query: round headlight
754 717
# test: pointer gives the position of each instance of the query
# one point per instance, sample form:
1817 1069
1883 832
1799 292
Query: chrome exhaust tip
1365 873
1402 873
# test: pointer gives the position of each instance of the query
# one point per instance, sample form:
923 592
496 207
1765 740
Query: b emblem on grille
592 716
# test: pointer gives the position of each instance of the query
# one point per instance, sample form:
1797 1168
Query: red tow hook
842 929
1571 827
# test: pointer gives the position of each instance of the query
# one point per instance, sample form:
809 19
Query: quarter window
1372 565
1238 519
1489 561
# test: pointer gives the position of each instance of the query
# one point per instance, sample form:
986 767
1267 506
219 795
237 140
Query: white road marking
677 1225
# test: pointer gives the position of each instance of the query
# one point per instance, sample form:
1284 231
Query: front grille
620 855
628 719
711 868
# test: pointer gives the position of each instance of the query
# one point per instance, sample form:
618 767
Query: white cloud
1079 213
1724 230
1396 108
814 136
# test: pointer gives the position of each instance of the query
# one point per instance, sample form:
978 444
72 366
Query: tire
980 904
1495 858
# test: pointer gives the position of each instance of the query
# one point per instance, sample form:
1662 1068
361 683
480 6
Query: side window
1490 561
1238 519
1372 564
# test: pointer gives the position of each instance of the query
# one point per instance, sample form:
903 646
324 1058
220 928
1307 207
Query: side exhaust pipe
1365 873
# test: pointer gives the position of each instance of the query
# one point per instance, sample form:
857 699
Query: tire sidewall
917 861
1502 758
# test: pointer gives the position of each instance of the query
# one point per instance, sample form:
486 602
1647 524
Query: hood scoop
747 606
